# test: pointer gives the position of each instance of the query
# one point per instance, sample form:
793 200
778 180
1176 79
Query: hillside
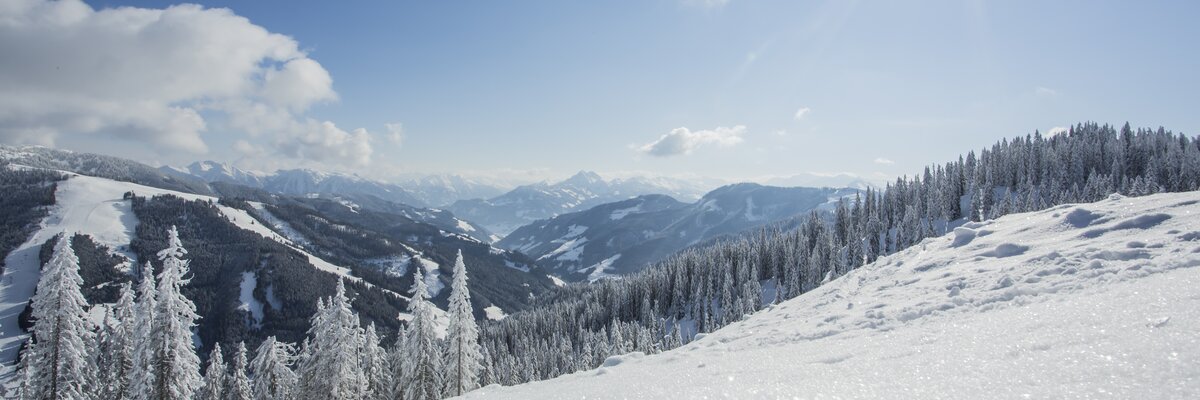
1075 301
251 280
623 237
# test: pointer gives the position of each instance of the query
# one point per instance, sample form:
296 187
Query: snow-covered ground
1097 300
494 313
600 269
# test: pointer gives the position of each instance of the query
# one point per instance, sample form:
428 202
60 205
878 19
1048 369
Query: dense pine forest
143 346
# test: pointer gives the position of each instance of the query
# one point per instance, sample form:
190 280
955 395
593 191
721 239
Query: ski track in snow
1047 304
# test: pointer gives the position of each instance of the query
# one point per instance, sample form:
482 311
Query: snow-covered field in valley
1098 300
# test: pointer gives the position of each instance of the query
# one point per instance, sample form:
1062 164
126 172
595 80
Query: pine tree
141 375
463 358
57 360
176 367
329 369
237 385
214 376
399 363
424 358
273 377
116 346
376 366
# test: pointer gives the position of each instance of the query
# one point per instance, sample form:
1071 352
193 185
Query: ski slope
1097 300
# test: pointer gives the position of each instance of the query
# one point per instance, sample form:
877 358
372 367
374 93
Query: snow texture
624 212
494 313
1051 312
600 270
250 304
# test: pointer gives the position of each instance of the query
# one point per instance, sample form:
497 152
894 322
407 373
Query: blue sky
545 88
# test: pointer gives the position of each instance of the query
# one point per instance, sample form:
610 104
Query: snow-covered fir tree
116 345
237 384
272 372
57 360
463 358
376 365
141 375
215 376
398 355
329 367
423 361
175 366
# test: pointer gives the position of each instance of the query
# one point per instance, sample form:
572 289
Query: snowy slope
95 206
1079 301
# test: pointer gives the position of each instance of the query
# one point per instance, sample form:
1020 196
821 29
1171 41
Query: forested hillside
701 290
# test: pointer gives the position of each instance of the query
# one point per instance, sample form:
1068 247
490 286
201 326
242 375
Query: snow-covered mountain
265 263
820 180
525 204
298 182
623 237
101 166
350 190
212 171
443 190
1075 301
419 191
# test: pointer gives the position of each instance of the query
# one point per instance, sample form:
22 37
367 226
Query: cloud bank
681 141
161 77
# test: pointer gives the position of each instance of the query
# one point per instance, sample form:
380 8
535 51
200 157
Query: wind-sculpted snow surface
1038 308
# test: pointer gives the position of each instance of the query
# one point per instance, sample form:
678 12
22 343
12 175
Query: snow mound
494 313
1052 313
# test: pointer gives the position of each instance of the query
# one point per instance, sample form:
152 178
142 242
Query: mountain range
623 237
526 204
423 191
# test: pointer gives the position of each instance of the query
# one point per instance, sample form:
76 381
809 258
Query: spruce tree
175 365
141 375
116 346
330 367
376 365
57 360
237 385
424 356
463 358
214 376
273 376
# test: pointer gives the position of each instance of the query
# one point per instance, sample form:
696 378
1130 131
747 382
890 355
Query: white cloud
395 132
322 141
1045 91
1056 131
884 161
801 113
684 141
155 76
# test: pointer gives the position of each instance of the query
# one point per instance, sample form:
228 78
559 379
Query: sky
731 89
